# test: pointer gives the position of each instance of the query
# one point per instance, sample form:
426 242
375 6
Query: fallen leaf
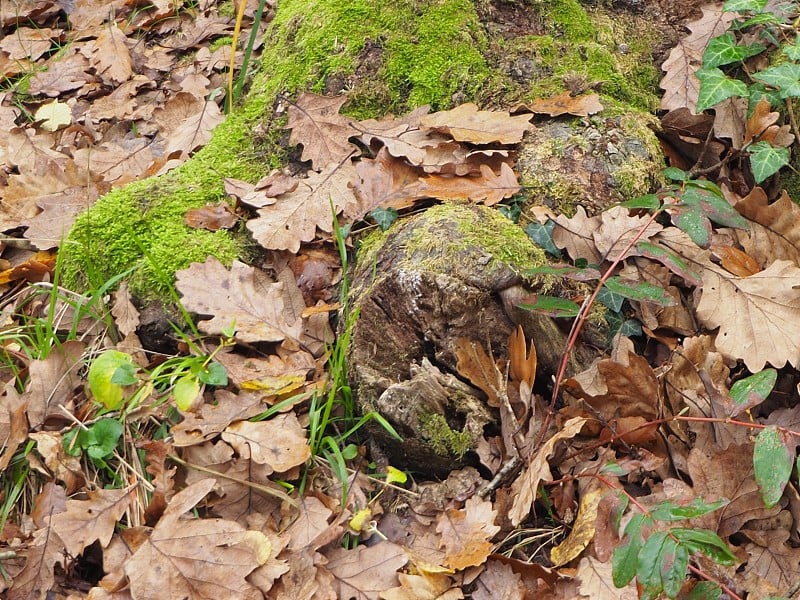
758 316
466 533
583 529
243 297
211 216
193 558
279 442
499 581
596 582
427 586
317 125
366 571
563 104
93 519
466 123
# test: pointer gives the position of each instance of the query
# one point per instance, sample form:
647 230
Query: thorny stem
583 314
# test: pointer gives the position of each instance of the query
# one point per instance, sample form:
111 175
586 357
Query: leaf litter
213 497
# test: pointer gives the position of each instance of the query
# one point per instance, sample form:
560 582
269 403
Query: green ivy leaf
671 260
609 299
553 307
772 462
708 198
723 50
101 378
707 542
792 51
752 391
785 77
384 217
766 160
639 291
715 87
543 236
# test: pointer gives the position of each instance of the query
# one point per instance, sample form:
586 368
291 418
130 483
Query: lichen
444 440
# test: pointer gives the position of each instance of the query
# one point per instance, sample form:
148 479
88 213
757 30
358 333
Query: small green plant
724 73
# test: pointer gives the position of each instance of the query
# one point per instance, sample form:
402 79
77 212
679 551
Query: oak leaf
526 486
564 103
41 556
243 296
774 234
758 316
366 571
95 518
597 584
193 558
296 215
680 84
426 586
279 442
466 123
317 125
499 581
466 533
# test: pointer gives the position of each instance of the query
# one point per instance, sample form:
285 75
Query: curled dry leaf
467 533
211 217
466 123
563 104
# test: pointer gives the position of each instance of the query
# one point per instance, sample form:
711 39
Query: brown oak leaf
467 533
466 123
317 125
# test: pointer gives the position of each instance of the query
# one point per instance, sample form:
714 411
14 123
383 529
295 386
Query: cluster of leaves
741 60
93 97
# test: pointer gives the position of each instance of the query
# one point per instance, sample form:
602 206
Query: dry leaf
758 316
499 581
211 216
366 571
466 123
427 586
279 442
317 125
466 533
243 297
582 531
597 584
563 104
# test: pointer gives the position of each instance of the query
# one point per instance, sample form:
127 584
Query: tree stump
450 273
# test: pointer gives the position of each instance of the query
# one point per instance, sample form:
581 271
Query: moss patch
387 56
443 439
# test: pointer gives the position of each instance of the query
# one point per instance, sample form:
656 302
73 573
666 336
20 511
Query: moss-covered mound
389 57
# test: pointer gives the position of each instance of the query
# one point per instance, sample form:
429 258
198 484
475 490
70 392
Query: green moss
219 43
427 50
443 439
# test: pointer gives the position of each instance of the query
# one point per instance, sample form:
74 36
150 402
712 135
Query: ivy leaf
715 87
766 160
723 50
543 236
610 299
384 217
785 77
772 462
792 51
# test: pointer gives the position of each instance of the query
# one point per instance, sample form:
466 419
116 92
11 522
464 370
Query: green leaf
753 390
648 571
705 590
185 391
617 323
101 375
673 261
101 438
723 50
694 223
707 197
676 174
792 51
553 307
625 560
669 511
610 299
543 236
766 159
744 5
125 375
568 271
639 290
785 77
213 374
715 87
772 462
649 202
707 542
384 217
